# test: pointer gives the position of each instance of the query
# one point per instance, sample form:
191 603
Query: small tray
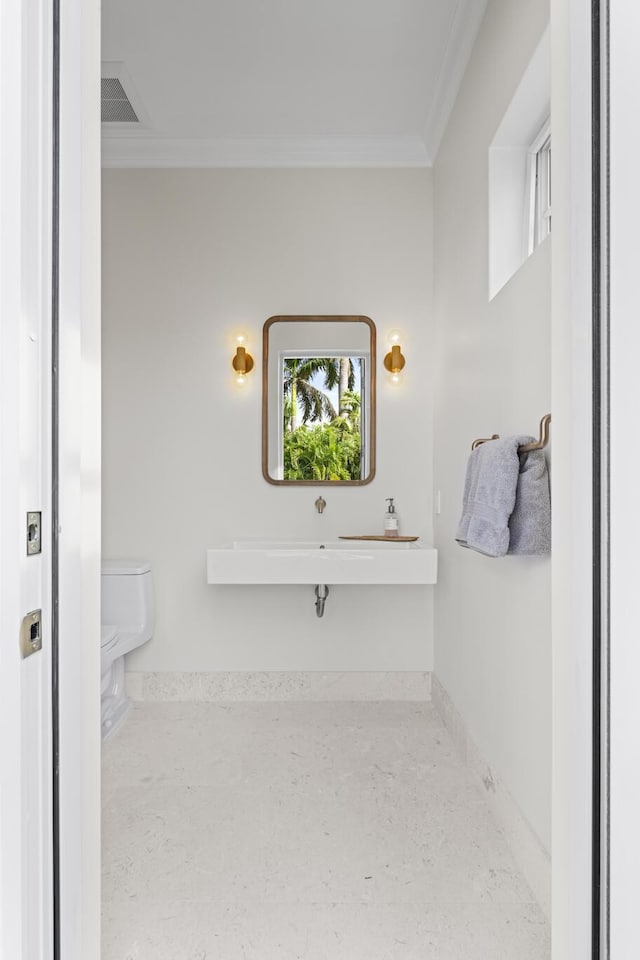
383 539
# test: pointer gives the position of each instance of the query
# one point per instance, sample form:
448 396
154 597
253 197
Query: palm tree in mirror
302 394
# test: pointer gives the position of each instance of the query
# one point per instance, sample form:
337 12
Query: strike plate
31 634
34 533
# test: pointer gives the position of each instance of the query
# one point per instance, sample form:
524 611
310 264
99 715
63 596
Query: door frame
51 118
572 480
26 695
596 343
620 301
79 487
79 484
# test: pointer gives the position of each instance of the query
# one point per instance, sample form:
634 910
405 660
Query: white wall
190 258
492 621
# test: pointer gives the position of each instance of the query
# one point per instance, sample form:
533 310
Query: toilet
127 622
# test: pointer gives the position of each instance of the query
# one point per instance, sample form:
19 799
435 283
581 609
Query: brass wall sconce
394 360
242 361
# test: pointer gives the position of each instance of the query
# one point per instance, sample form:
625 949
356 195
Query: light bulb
241 379
394 337
241 338
395 378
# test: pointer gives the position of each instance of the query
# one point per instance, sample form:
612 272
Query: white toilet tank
127 598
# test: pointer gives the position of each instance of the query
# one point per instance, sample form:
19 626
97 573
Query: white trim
529 244
26 768
624 649
379 151
537 224
79 479
279 686
541 137
543 191
462 36
571 479
528 852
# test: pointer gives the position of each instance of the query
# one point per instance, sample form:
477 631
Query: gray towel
506 506
530 522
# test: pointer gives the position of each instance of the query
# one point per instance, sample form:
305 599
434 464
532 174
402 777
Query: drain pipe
322 592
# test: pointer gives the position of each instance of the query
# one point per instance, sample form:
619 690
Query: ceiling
285 82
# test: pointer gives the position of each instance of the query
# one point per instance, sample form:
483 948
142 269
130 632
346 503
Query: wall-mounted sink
322 561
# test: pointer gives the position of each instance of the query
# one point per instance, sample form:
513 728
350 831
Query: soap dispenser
390 520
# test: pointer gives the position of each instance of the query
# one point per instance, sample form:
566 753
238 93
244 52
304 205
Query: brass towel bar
536 445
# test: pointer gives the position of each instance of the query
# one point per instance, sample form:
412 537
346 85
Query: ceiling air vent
116 106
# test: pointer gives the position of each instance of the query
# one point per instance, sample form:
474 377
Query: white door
26 764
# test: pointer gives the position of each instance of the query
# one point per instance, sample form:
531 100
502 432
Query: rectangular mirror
318 400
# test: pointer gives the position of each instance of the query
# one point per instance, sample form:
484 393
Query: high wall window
520 172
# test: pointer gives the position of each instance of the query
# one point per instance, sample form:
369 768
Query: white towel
506 507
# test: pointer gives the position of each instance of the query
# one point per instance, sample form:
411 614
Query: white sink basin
328 561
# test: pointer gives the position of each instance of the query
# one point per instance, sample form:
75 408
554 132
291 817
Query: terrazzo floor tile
280 931
303 830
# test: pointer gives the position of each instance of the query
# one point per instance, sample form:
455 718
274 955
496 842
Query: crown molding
464 29
334 151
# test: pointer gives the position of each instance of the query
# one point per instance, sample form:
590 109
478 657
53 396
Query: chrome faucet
322 592
320 504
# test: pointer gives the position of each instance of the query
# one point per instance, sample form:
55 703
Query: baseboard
531 857
278 686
